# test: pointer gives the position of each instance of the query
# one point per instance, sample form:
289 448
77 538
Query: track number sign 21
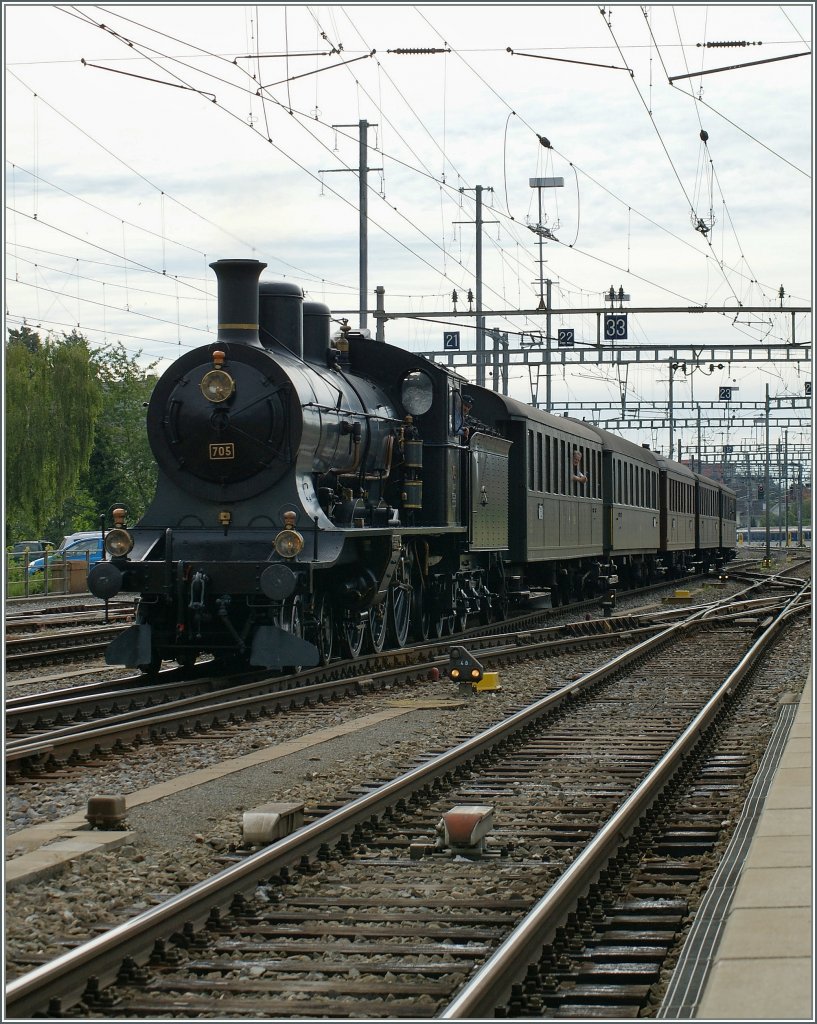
615 326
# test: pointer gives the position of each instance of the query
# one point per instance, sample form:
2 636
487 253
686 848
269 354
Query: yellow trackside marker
489 681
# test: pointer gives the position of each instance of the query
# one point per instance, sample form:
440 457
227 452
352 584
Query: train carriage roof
620 445
676 469
564 424
717 485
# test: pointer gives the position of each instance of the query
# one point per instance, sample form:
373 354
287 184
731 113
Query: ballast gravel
182 839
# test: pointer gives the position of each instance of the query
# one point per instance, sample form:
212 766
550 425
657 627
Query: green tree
52 401
121 469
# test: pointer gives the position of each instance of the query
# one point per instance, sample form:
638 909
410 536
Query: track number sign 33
615 326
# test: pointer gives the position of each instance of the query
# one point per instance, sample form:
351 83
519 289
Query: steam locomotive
318 495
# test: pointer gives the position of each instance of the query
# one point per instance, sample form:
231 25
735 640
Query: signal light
463 667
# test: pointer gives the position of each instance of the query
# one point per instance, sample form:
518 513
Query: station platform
749 954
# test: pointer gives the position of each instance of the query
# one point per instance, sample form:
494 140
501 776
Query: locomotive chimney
238 300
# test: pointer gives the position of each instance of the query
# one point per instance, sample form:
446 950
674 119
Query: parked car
18 551
78 547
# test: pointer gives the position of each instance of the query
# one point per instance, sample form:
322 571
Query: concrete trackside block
466 825
270 822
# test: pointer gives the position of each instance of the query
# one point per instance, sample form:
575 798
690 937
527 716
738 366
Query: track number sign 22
615 326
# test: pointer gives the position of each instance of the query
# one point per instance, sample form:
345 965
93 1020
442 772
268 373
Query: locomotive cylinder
238 300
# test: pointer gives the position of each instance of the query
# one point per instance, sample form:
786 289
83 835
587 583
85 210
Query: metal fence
55 576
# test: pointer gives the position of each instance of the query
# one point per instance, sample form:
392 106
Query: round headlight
417 392
118 543
217 385
288 543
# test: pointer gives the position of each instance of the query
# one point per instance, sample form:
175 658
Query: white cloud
158 181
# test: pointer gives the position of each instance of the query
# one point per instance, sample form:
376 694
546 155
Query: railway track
363 912
59 729
58 647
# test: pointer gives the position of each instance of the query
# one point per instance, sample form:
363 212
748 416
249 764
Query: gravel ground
177 841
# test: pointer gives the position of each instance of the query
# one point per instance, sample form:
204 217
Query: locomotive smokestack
238 300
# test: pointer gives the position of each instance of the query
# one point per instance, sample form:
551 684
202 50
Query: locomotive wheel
322 633
420 615
486 611
378 626
352 631
400 603
450 617
438 620
420 607
460 611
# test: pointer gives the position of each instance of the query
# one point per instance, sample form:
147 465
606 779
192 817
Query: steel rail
101 957
127 725
491 986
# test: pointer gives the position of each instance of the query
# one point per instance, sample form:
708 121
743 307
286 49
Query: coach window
539 461
557 467
530 460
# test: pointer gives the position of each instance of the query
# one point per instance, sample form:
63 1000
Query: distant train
319 495
777 534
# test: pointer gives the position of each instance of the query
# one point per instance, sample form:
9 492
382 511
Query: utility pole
699 441
767 562
363 209
548 384
673 366
500 359
480 318
800 505
545 304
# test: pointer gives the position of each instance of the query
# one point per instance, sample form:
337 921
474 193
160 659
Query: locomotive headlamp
118 543
289 542
217 385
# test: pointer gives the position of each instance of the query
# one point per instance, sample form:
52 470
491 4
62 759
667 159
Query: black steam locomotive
319 495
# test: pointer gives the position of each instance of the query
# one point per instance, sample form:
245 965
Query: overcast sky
142 143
